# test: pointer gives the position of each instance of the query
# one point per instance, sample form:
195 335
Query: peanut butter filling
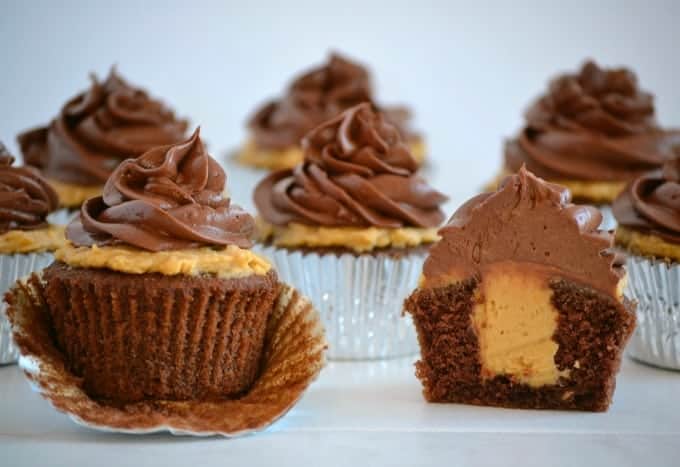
360 240
229 262
29 241
515 322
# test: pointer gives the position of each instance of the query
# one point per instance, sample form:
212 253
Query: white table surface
372 413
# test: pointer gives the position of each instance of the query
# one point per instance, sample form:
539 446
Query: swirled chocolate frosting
357 172
99 128
526 220
25 197
313 98
169 198
594 125
651 203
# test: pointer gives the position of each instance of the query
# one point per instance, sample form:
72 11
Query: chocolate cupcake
158 296
520 304
27 240
350 227
592 131
94 132
318 95
648 214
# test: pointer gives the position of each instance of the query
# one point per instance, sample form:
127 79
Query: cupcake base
133 337
292 358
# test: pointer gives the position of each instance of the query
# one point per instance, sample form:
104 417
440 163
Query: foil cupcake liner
360 298
655 285
61 216
13 267
608 219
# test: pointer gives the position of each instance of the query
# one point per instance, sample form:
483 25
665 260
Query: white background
468 69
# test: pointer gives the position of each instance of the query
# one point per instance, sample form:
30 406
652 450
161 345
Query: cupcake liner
169 337
360 298
655 285
61 216
292 358
13 267
608 219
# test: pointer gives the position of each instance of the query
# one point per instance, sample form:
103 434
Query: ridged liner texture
360 298
292 357
13 267
655 285
134 337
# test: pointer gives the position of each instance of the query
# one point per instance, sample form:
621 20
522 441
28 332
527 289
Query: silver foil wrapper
655 285
360 298
61 216
13 267
608 219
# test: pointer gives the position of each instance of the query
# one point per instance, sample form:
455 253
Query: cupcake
93 133
592 132
350 227
648 214
26 238
521 305
157 295
320 94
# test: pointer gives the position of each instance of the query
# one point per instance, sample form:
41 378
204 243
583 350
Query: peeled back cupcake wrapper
13 267
292 358
655 285
360 298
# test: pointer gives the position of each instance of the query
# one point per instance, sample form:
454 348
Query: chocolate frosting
526 220
99 128
171 197
313 98
593 125
357 172
25 197
651 203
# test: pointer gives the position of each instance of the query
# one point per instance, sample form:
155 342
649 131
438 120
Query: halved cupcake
350 227
592 131
27 239
94 132
320 94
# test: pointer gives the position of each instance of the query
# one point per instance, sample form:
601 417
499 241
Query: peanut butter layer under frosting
357 174
596 125
515 243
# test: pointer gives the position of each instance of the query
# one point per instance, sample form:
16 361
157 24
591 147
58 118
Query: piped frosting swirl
357 172
170 198
651 203
99 128
25 197
594 125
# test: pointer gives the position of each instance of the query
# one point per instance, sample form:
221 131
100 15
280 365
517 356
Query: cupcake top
651 203
99 128
170 198
595 125
25 197
357 172
527 220
313 98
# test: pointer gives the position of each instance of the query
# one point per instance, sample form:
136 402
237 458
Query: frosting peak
651 203
25 197
526 220
170 198
314 97
97 129
357 172
596 124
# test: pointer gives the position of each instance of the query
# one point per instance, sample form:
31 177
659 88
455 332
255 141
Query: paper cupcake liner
178 338
292 358
13 267
360 298
608 219
655 285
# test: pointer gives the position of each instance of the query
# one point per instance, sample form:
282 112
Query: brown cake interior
592 329
135 337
